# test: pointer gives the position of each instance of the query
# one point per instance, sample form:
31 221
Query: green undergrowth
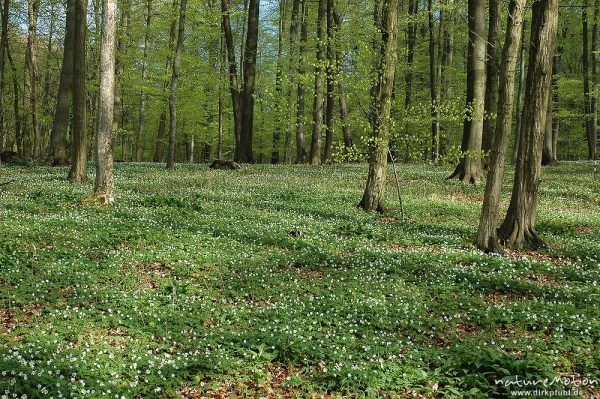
271 280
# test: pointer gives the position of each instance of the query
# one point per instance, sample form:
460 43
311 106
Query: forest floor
269 282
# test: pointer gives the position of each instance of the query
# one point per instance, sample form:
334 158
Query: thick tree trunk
435 140
470 168
301 91
174 78
142 115
374 195
78 172
492 70
246 134
318 103
520 89
487 239
104 187
518 228
57 155
236 100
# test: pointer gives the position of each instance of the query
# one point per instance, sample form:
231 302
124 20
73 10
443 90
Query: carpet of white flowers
269 282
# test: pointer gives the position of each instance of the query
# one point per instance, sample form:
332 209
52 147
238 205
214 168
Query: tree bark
487 239
520 93
174 78
590 128
120 64
104 187
435 140
31 130
293 73
411 40
594 96
142 115
301 91
492 70
246 134
518 228
15 81
330 79
374 194
236 100
547 150
78 172
57 155
162 124
3 44
278 85
318 102
470 168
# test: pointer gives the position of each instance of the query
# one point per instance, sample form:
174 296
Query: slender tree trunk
547 150
142 116
411 40
33 11
104 188
435 140
78 172
246 134
278 85
222 62
301 91
594 96
518 228
556 93
492 69
373 197
330 78
446 60
317 127
174 78
57 155
590 129
522 55
487 239
236 100
470 168
293 72
120 64
3 44
16 101
29 115
162 124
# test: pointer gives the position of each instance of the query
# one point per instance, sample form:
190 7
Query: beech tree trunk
318 103
30 117
547 148
518 228
142 115
374 194
411 40
174 78
162 124
522 55
301 91
330 78
470 168
3 44
15 82
104 187
246 134
78 172
57 154
492 72
594 96
120 65
587 100
293 73
278 85
435 140
487 239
